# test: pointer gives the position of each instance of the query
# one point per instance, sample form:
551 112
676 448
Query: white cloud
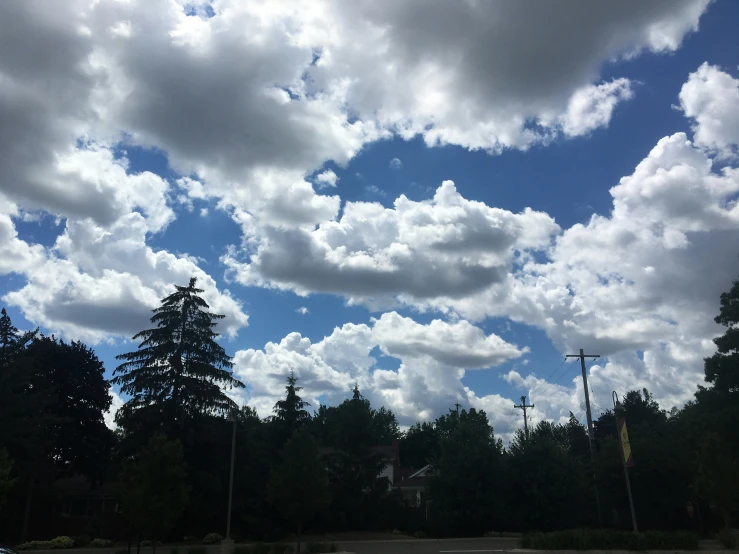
711 98
98 283
447 246
303 310
326 179
115 405
592 106
395 163
427 382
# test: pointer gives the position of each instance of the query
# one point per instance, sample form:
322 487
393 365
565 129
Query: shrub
147 543
397 532
587 539
727 538
62 542
34 545
419 535
320 547
212 538
101 543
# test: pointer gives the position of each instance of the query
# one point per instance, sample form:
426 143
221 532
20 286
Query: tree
6 466
467 481
78 399
290 412
155 490
722 369
298 487
179 370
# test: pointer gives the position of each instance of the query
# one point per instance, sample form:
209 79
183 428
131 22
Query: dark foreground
428 546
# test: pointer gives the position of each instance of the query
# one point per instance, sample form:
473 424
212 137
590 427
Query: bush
587 539
62 542
506 534
727 538
397 532
101 543
53 544
320 547
212 538
146 543
419 535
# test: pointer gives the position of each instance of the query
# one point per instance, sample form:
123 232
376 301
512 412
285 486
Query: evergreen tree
291 412
298 487
6 465
722 369
179 369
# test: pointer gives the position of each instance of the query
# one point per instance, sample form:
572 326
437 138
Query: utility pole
523 406
582 357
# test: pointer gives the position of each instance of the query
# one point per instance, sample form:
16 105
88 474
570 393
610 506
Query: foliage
58 543
298 487
74 376
155 491
420 535
101 543
601 539
291 412
321 547
179 371
6 482
81 541
212 538
465 487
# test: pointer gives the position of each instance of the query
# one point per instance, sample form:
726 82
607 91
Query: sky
435 200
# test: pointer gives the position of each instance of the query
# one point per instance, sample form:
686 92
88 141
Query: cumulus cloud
592 106
98 282
395 163
326 179
109 416
303 310
447 246
710 98
426 383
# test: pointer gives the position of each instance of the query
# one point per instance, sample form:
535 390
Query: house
413 485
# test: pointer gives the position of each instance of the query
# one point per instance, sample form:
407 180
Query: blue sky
99 222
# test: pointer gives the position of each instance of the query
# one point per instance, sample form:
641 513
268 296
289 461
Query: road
428 546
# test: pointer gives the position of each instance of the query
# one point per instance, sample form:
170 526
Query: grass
596 539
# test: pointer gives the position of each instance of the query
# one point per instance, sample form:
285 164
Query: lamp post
227 544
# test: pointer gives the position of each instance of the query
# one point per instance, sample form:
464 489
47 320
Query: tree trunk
154 544
27 510
138 543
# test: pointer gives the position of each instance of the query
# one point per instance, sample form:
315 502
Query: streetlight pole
227 545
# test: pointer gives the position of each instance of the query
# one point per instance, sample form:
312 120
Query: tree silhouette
155 490
291 412
298 487
179 370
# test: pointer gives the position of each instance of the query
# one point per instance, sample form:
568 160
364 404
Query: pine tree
722 369
291 411
179 369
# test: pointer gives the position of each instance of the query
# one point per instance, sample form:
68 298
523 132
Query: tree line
324 470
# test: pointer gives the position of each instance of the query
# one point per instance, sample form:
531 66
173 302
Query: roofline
424 468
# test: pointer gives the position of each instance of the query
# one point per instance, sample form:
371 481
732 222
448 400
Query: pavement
428 546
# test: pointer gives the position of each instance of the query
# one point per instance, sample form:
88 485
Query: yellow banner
626 447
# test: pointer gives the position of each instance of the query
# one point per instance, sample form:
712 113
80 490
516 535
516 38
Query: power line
547 379
566 371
